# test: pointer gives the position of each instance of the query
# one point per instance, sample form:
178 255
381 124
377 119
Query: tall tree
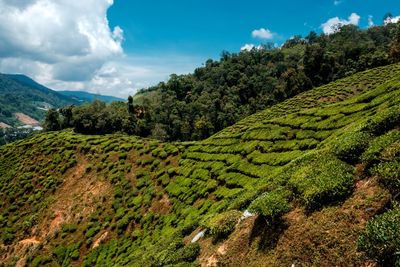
394 52
52 120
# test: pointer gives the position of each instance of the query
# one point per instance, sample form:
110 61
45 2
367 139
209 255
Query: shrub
8 236
378 145
41 261
163 154
141 174
243 200
188 253
75 254
172 171
123 156
319 179
69 228
124 222
383 121
380 239
389 174
223 224
91 232
350 146
60 254
271 205
274 159
89 167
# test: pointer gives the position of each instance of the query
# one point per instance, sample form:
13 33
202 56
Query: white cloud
57 40
249 47
125 76
370 21
333 24
68 45
118 34
391 20
263 34
337 2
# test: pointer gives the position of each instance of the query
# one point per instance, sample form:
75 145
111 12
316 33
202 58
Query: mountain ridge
21 94
84 96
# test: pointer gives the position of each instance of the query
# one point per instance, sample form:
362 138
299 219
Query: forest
222 92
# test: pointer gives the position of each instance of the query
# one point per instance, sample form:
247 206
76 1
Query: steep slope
294 184
20 94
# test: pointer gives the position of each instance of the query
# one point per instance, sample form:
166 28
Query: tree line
220 93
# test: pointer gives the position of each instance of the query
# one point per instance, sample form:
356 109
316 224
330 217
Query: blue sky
205 28
116 47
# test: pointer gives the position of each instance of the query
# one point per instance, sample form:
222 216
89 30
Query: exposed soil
100 240
4 126
25 119
324 238
76 198
73 201
162 206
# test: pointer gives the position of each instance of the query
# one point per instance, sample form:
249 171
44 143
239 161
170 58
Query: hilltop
222 92
303 182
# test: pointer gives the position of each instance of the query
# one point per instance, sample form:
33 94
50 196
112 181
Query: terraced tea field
70 199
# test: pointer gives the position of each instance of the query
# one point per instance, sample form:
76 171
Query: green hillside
20 94
222 92
311 181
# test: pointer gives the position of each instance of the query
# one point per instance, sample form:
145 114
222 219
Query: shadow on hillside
265 234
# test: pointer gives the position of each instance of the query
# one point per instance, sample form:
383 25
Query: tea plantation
328 157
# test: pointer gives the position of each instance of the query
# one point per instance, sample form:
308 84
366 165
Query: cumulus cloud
332 25
69 45
57 40
124 76
391 20
249 47
263 33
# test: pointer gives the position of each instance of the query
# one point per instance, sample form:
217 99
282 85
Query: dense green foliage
271 205
195 106
380 239
219 94
223 224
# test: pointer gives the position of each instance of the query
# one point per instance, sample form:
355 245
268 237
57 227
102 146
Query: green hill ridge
20 94
299 183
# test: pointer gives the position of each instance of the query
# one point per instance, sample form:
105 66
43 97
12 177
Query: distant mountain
82 96
21 94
